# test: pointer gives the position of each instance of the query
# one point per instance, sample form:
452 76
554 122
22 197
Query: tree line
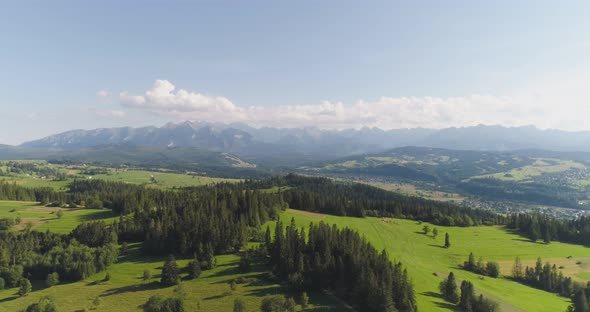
358 200
489 268
536 227
465 297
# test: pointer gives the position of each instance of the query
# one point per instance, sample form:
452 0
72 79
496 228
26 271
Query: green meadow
42 218
424 257
126 291
428 262
159 179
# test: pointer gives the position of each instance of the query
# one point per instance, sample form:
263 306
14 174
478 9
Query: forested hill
358 200
200 222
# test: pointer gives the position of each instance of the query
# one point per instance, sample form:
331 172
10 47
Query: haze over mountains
249 141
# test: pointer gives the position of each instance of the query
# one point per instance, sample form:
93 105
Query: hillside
532 176
428 262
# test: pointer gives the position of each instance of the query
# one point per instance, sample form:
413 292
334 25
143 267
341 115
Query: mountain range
240 137
283 147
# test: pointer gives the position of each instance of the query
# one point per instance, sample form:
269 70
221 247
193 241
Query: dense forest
339 259
358 200
90 248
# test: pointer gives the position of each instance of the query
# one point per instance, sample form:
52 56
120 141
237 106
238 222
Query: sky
329 64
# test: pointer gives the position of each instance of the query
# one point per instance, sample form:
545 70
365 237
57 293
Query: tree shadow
442 305
266 291
439 246
131 288
97 215
529 241
8 299
216 297
226 272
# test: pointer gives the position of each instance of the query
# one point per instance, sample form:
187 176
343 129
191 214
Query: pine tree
170 272
447 241
467 296
517 269
471 262
535 230
448 288
194 267
268 240
146 276
580 301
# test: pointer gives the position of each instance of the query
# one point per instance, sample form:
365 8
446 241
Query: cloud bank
540 106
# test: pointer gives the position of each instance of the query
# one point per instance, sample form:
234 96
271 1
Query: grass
149 178
413 190
428 262
539 167
43 218
160 179
125 291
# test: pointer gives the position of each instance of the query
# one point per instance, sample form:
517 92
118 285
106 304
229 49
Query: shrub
52 279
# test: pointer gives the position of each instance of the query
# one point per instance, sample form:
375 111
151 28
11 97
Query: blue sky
331 64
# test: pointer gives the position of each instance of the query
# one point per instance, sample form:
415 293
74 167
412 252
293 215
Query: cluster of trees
358 200
51 257
465 297
490 268
545 277
12 191
45 304
536 226
340 260
157 303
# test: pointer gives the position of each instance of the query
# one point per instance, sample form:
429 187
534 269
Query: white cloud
103 93
546 105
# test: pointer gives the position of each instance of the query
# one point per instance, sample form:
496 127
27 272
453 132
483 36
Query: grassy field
43 218
539 167
126 291
428 262
159 179
412 190
149 178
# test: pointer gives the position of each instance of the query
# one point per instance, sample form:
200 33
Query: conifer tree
170 272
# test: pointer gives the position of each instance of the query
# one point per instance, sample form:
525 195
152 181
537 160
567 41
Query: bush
52 279
24 287
157 303
2 283
493 269
277 303
45 304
